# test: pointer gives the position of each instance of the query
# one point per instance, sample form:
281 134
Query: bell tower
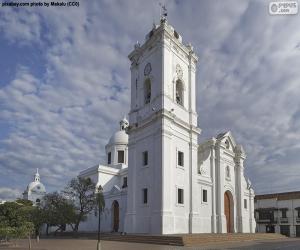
163 133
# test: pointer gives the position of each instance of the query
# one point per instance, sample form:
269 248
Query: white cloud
8 194
22 27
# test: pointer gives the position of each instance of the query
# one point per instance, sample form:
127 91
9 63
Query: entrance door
297 231
227 211
115 208
270 229
285 230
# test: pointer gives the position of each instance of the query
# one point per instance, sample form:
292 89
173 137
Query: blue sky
64 84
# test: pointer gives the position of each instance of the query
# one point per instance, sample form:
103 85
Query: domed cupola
117 147
120 137
35 190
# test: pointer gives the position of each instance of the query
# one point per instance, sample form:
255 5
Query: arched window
147 90
38 201
179 92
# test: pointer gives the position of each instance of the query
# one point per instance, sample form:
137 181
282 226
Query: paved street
290 244
82 244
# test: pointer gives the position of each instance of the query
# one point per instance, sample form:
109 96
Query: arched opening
228 211
179 92
147 90
115 216
37 200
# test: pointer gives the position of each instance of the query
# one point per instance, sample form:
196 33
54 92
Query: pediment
227 139
229 142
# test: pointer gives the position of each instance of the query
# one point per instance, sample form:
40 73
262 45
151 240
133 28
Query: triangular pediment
227 139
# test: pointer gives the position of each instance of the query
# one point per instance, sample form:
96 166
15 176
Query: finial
137 45
124 123
190 47
37 176
163 13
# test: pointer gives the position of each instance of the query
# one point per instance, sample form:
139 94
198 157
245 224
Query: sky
65 84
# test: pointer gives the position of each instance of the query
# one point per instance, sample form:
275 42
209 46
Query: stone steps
179 239
190 240
218 238
148 239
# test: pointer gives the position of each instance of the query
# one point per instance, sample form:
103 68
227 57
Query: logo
283 8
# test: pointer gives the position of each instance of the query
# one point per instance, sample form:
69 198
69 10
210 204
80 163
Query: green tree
38 219
33 214
27 203
57 210
14 220
82 193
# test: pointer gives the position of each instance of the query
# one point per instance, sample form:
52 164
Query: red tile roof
279 196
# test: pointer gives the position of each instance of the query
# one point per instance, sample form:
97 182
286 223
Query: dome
119 137
36 187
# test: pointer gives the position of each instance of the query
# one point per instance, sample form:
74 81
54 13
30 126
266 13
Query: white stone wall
91 224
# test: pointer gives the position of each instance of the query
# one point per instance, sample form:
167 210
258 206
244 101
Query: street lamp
101 205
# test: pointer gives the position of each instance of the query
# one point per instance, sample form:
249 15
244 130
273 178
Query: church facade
158 179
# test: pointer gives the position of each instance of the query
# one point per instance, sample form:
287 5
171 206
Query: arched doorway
115 216
228 211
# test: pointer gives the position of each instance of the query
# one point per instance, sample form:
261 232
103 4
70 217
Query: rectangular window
283 213
266 214
298 213
180 196
180 158
204 195
124 182
120 156
245 203
109 158
145 195
145 158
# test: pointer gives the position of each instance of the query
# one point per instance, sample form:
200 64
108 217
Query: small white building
35 190
278 213
158 179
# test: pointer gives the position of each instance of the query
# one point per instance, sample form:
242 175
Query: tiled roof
279 196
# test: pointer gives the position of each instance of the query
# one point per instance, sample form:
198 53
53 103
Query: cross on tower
163 12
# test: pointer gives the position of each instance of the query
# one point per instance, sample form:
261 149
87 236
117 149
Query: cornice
163 113
162 33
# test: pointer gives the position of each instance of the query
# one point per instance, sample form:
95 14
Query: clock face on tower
147 69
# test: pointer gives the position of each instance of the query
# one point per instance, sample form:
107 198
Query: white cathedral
158 179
